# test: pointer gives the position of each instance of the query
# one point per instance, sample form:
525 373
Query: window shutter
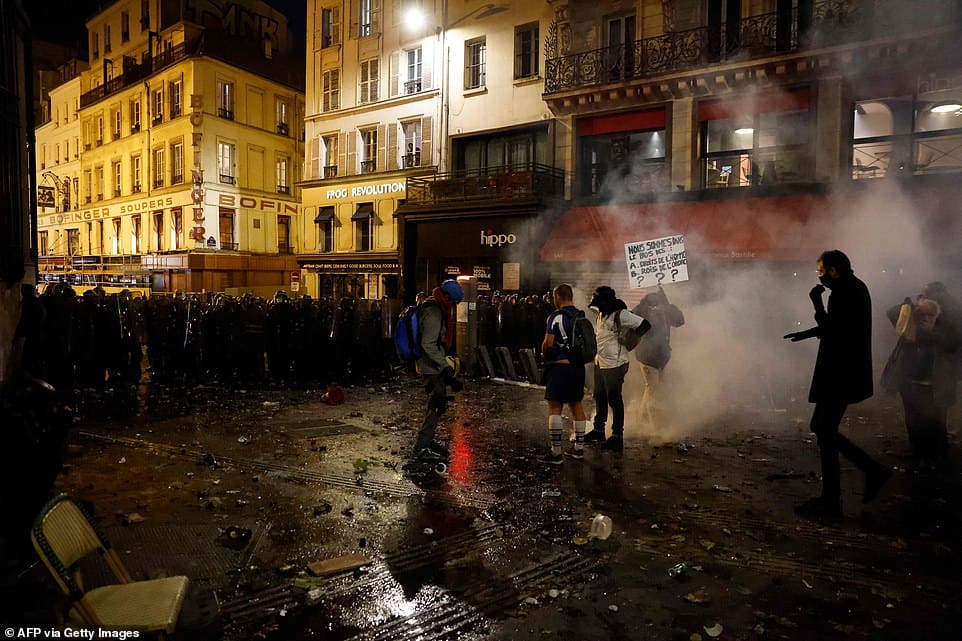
396 12
315 157
394 73
375 80
427 64
350 168
381 151
336 24
318 25
392 152
355 15
427 136
363 96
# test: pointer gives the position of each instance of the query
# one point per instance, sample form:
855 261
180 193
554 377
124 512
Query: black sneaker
553 459
595 436
614 444
578 455
439 449
874 482
819 508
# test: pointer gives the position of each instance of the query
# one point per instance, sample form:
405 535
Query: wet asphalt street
243 489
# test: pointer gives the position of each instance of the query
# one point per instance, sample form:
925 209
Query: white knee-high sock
555 426
580 434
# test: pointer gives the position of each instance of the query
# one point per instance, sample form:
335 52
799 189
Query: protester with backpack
435 331
616 332
568 344
654 352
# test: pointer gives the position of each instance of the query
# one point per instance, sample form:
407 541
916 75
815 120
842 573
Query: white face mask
594 309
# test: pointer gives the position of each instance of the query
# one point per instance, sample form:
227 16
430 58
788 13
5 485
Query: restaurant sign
353 266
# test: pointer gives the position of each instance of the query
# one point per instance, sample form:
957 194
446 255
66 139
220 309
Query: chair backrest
63 535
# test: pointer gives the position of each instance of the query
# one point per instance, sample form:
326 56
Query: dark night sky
62 21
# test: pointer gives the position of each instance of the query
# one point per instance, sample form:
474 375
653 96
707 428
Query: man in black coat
843 375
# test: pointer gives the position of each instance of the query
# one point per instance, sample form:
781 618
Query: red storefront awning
775 228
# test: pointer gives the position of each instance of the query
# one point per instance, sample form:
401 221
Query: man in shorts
564 381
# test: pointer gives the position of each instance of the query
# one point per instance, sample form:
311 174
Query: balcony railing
284 248
157 120
135 128
368 166
283 129
116 135
158 182
229 246
283 189
512 181
116 193
227 179
411 160
176 179
330 171
87 199
832 22
412 86
134 73
135 189
224 112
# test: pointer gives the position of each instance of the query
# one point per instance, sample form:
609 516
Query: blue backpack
407 333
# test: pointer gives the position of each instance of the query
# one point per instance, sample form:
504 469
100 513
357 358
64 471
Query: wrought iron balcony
832 22
224 178
229 246
135 128
283 189
224 112
412 86
411 160
136 188
511 181
282 128
368 166
176 179
330 171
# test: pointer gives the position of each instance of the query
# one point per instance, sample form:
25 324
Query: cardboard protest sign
656 262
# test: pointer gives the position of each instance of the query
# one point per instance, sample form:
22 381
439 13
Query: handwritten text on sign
657 261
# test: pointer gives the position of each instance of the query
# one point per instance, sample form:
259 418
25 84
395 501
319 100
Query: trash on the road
241 503
600 527
333 395
271 404
714 630
323 508
313 597
683 448
133 517
806 584
554 594
613 607
531 601
677 570
428 531
550 491
694 636
708 545
698 596
343 563
209 460
722 488
243 440
176 485
360 466
579 540
123 459
287 569
348 509
234 537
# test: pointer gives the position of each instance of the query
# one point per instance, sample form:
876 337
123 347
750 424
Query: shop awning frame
324 214
365 211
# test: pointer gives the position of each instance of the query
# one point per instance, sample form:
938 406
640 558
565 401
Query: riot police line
99 340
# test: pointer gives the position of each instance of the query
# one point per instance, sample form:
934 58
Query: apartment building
730 121
190 141
416 108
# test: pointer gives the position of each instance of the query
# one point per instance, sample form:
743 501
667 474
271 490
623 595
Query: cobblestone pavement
499 548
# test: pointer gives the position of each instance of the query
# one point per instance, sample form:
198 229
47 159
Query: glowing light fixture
414 18
745 130
946 107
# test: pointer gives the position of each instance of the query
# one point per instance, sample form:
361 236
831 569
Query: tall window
526 51
88 185
124 27
624 160
177 163
44 248
95 45
100 182
283 187
176 91
369 80
158 167
329 144
100 130
144 15
226 227
158 230
283 234
325 229
134 116
118 244
411 156
118 185
225 162
363 219
368 150
368 15
158 106
73 242
281 109
331 90
475 53
136 234
116 116
176 227
330 26
135 181
225 99
412 80
106 38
